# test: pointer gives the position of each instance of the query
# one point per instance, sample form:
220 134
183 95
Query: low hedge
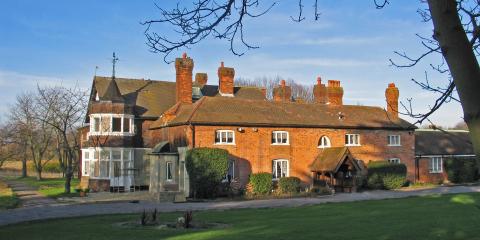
385 175
206 168
461 170
289 185
261 183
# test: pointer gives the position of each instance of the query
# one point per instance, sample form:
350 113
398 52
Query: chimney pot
319 80
184 55
221 64
282 83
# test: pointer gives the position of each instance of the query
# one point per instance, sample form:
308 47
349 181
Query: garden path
28 195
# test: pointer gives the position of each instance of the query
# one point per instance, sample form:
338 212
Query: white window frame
275 173
167 170
324 142
436 164
394 160
126 159
275 136
94 117
394 140
349 139
220 139
86 162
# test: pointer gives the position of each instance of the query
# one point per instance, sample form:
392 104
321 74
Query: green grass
50 187
434 217
7 197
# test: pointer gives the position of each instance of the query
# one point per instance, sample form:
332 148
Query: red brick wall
424 174
254 153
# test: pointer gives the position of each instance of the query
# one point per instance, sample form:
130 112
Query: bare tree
455 37
299 91
38 135
8 146
67 107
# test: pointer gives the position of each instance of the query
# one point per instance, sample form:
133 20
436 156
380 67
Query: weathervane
114 61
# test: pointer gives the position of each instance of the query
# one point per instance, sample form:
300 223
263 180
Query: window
104 171
280 138
116 124
394 160
86 163
436 165
126 125
169 171
393 140
224 137
116 163
111 124
96 124
324 142
352 140
280 169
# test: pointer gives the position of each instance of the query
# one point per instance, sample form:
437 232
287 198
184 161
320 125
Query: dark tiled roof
151 98
436 142
235 111
330 159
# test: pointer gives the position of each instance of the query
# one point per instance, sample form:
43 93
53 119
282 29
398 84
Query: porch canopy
334 166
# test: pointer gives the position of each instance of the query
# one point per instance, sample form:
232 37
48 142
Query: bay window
111 124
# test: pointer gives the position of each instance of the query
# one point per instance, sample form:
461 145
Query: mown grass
50 187
7 197
433 217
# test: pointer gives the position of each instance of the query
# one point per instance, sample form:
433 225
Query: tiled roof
330 159
442 142
151 98
235 111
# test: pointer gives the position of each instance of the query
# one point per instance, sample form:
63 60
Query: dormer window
111 124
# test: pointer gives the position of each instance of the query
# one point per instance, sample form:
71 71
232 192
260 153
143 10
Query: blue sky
61 42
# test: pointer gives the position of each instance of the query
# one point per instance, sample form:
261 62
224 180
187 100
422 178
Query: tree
456 40
67 107
299 91
32 130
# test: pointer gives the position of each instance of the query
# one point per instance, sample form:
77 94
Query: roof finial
114 62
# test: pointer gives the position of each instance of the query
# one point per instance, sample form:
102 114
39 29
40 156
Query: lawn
434 217
7 197
50 187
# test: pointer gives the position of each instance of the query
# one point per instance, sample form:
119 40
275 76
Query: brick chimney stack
391 94
334 92
225 78
282 93
184 68
320 92
201 79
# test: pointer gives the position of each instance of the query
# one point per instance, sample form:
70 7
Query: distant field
14 168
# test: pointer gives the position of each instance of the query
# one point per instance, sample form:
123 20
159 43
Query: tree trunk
24 163
39 175
461 60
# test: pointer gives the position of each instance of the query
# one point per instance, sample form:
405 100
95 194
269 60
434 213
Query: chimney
201 79
334 93
320 92
282 93
391 95
225 80
184 68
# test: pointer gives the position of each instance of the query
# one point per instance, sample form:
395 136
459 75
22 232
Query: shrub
289 185
393 181
261 183
460 170
382 174
206 168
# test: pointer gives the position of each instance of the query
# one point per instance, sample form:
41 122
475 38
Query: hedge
461 170
385 175
206 168
261 183
49 167
289 185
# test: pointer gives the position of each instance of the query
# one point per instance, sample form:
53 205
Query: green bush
375 181
261 183
385 175
461 170
289 185
206 168
393 181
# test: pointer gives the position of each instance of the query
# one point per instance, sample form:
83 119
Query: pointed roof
330 160
112 93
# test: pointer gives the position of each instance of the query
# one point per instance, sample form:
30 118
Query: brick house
432 147
324 140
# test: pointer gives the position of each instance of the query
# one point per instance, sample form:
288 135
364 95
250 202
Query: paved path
29 196
60 211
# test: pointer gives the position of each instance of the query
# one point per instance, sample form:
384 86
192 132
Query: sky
62 42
